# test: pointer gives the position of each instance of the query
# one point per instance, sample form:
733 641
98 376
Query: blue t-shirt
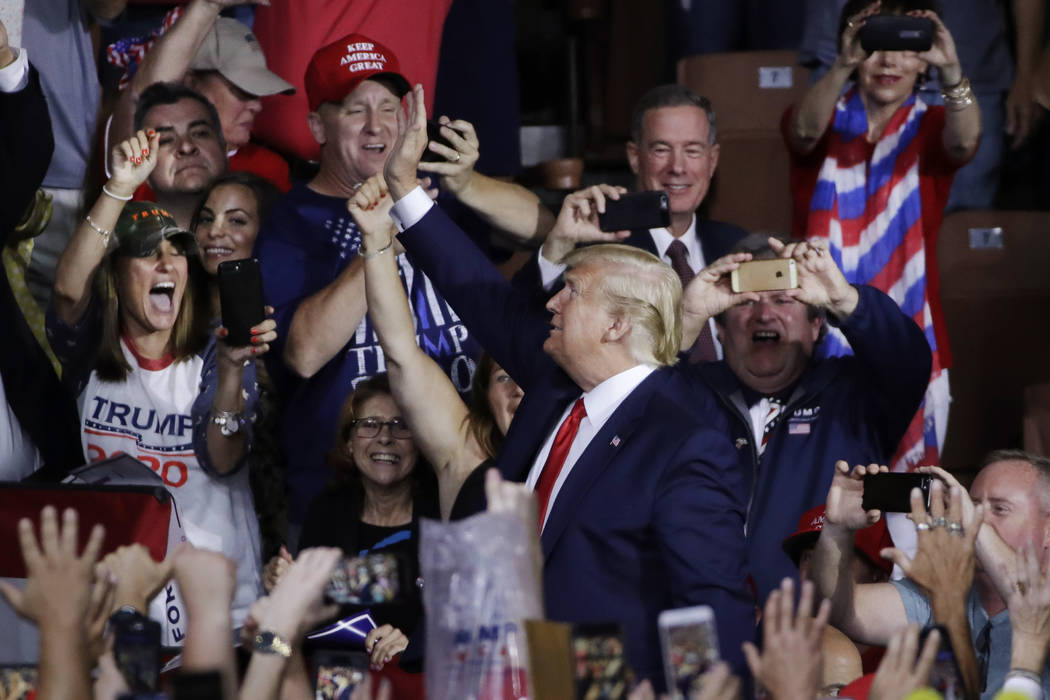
305 242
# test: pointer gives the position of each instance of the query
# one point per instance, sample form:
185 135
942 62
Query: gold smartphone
765 275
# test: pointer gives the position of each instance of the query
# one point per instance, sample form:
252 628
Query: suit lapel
603 448
529 431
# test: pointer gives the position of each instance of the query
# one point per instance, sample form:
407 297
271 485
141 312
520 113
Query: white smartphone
690 646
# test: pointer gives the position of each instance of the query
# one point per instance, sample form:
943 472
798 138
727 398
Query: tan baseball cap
231 49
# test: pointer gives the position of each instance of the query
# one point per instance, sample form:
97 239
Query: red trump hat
338 68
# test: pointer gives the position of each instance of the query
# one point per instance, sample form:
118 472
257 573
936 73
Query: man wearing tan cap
220 58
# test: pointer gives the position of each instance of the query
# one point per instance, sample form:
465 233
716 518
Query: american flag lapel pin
615 442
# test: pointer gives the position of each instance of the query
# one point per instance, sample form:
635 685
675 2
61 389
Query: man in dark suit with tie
641 504
674 149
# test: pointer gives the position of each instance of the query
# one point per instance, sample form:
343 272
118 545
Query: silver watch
229 422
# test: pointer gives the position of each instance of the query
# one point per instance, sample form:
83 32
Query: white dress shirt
600 402
15 76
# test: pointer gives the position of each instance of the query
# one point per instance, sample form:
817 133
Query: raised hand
790 663
7 55
457 170
131 162
1029 606
578 222
59 585
262 335
710 293
276 568
900 672
297 602
942 53
370 206
846 495
851 53
944 561
400 169
717 683
138 577
821 282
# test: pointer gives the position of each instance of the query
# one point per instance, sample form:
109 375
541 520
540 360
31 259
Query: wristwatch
229 422
269 642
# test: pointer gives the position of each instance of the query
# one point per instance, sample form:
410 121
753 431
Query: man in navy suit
674 149
641 504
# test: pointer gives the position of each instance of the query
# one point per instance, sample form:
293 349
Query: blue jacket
650 517
855 408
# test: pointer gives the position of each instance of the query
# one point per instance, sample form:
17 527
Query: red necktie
556 459
703 349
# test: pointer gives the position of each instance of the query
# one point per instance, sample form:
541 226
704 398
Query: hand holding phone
765 275
636 210
890 492
897 33
241 299
690 646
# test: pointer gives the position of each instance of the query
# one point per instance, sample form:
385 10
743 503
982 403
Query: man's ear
618 330
313 120
713 154
632 156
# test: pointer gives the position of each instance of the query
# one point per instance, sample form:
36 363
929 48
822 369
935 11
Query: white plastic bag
479 587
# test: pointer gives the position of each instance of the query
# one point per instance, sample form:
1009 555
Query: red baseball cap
338 68
869 541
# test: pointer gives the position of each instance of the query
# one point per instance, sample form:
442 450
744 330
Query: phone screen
369 580
637 210
337 674
17 682
690 648
598 662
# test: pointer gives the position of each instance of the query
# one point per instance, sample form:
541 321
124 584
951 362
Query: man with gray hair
1014 487
673 148
640 507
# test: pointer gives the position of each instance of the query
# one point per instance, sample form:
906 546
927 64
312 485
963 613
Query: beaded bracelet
105 233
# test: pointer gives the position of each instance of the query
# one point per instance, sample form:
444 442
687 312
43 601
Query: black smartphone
197 685
945 676
434 134
891 492
599 664
896 33
136 649
369 580
18 682
636 210
241 299
337 674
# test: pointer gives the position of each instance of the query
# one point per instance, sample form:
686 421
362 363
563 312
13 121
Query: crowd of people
663 439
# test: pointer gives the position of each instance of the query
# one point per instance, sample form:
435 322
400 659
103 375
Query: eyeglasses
370 427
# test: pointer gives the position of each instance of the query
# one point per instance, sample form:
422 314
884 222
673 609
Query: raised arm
943 568
133 161
870 612
422 390
170 58
505 205
811 116
962 118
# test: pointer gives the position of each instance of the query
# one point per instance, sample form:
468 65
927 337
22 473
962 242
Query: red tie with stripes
556 459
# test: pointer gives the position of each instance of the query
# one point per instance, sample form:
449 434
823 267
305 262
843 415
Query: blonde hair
638 285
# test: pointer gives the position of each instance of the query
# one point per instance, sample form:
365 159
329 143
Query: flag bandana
870 213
